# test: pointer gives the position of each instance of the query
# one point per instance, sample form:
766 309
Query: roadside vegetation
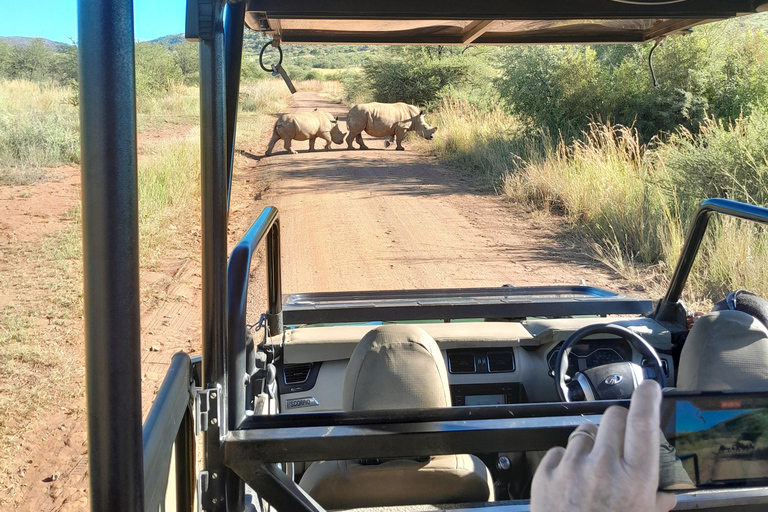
581 133
41 276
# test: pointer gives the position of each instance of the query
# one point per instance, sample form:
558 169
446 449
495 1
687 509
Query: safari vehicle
474 380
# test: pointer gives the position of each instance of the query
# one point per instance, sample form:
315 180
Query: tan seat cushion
443 479
397 367
725 350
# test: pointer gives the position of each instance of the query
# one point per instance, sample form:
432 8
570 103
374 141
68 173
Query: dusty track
350 220
385 219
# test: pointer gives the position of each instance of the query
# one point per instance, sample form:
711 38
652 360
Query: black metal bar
499 9
693 242
274 486
214 181
274 282
458 414
233 42
410 439
110 253
161 430
310 37
505 302
238 275
186 463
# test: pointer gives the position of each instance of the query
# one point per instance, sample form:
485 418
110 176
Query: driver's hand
618 470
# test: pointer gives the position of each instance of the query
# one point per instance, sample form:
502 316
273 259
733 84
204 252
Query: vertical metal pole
110 253
274 282
233 41
213 149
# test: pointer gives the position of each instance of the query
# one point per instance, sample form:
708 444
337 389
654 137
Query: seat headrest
746 301
725 350
396 367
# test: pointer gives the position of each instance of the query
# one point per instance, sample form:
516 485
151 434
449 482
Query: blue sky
57 19
689 421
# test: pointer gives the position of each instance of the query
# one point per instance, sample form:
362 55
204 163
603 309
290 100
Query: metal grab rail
238 273
170 423
693 241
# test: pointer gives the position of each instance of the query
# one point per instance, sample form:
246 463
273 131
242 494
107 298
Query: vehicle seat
397 367
725 350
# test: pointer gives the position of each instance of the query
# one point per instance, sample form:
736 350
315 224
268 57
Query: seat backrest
725 350
396 367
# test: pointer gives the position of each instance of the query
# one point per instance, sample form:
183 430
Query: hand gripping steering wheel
613 381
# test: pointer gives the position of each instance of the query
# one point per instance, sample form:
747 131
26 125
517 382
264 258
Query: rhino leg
288 147
399 136
311 143
359 140
326 136
272 142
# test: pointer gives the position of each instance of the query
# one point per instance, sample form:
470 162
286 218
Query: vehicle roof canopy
459 22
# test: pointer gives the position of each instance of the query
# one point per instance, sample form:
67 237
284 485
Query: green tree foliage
718 70
156 68
39 61
185 55
420 76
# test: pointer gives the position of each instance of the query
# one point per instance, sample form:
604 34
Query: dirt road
386 219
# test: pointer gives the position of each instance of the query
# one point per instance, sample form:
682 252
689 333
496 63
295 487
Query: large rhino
392 120
303 126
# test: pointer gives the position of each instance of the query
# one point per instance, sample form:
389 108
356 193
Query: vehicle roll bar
110 253
266 225
667 306
170 424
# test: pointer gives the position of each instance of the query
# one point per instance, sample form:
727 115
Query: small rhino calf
306 126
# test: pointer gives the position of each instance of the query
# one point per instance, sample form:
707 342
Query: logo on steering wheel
612 380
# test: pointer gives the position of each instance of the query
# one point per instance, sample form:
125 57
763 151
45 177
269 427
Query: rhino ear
423 112
336 119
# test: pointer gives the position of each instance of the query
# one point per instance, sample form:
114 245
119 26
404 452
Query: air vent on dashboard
296 373
501 362
461 362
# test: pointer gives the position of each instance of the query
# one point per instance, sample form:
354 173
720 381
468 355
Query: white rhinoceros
303 126
392 120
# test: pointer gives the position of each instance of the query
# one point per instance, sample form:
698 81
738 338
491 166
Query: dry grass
41 366
38 128
632 204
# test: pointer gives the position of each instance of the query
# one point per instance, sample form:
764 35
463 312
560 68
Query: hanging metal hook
276 69
261 57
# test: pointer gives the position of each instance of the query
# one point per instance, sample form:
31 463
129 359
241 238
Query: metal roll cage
125 461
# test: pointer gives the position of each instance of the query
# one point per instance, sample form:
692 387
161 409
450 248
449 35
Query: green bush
416 82
38 139
156 69
719 70
38 61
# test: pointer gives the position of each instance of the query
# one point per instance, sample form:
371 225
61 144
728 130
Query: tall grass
38 128
633 203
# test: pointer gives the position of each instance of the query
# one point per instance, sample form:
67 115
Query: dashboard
487 362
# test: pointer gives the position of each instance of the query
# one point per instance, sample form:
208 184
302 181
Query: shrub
717 71
156 69
419 83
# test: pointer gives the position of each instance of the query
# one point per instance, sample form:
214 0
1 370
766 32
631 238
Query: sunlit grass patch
264 96
38 128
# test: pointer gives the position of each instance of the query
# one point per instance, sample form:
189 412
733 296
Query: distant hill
25 41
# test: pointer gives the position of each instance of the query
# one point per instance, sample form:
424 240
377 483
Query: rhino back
305 124
383 118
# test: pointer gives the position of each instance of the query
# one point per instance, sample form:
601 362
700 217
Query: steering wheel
613 381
